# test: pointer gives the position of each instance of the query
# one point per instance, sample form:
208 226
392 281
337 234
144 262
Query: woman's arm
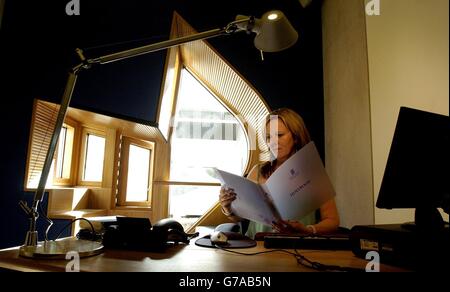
227 196
329 222
329 218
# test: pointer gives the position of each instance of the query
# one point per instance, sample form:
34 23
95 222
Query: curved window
206 135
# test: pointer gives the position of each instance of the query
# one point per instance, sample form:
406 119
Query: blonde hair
295 124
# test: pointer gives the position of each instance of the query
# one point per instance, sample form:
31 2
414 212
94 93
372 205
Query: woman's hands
226 197
290 226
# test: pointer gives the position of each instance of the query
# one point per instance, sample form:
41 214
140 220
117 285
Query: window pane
205 135
64 152
138 174
188 203
95 152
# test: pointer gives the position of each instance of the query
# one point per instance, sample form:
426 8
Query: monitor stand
426 219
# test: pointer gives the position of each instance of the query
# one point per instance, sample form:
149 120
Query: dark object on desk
320 242
133 234
133 224
86 234
173 231
137 234
100 224
234 240
403 247
340 232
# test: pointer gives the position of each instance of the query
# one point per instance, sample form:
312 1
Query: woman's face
279 139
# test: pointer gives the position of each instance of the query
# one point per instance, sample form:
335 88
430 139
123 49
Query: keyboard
323 242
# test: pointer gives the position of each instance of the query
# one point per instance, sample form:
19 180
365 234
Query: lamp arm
70 85
232 27
242 23
157 46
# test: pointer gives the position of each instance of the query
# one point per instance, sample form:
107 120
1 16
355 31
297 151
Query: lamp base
59 249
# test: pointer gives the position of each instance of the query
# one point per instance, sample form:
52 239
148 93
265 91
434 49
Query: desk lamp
273 33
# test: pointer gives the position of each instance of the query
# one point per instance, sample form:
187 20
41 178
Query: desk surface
188 258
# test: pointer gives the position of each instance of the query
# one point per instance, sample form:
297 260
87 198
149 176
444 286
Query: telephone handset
174 231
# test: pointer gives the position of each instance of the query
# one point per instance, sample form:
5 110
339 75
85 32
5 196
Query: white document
298 187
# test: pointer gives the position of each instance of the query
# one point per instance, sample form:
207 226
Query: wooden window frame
44 113
74 155
123 177
82 156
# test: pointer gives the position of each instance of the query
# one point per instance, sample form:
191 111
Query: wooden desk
188 258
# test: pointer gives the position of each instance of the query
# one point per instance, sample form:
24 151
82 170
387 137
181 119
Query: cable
74 220
300 260
322 267
192 235
50 222
296 255
255 253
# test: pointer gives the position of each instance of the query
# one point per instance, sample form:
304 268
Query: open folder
299 186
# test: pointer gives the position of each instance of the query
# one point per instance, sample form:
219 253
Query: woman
286 133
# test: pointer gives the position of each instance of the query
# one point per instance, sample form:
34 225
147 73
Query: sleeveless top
255 227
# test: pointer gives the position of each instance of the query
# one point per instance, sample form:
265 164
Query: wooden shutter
42 126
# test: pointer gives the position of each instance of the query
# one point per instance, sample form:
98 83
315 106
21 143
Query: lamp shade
274 32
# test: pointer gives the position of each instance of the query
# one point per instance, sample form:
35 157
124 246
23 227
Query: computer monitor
417 170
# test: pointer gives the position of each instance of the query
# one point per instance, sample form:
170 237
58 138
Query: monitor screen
417 170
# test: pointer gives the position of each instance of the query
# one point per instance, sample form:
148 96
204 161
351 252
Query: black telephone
139 234
173 231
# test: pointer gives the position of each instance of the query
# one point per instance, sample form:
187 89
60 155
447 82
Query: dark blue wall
37 48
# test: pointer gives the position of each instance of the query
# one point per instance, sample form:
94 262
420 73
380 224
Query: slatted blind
42 126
